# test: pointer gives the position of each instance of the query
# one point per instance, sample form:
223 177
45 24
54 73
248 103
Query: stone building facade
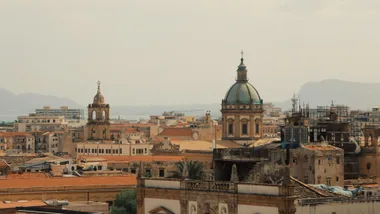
98 125
318 164
242 110
169 196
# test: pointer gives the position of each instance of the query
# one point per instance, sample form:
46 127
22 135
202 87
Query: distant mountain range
12 105
356 95
353 94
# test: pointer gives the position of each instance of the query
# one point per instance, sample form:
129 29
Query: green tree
125 202
195 168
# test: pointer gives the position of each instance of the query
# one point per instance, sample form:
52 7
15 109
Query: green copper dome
242 93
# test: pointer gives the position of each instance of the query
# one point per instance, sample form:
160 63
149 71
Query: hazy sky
183 52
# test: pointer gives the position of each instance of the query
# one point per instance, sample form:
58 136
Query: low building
35 122
23 142
110 148
94 188
318 164
171 196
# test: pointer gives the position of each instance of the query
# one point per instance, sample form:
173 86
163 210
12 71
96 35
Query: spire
234 174
98 99
185 173
242 69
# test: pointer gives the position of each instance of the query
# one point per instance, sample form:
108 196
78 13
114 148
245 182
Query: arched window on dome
93 115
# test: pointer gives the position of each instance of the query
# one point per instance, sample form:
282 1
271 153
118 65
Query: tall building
98 125
69 114
242 110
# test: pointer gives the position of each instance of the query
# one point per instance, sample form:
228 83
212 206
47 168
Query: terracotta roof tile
3 163
71 181
179 132
27 175
145 158
6 134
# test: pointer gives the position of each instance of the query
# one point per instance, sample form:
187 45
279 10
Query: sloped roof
3 163
144 158
179 132
70 181
303 190
227 144
321 147
160 210
27 175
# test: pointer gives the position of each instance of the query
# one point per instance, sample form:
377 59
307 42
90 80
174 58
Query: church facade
242 110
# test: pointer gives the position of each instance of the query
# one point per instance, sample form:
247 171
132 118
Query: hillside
353 94
13 105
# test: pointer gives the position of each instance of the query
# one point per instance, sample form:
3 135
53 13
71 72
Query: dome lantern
242 92
98 98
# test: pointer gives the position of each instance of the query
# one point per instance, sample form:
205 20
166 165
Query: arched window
230 126
244 127
103 115
93 115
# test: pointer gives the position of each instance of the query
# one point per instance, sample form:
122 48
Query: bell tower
98 123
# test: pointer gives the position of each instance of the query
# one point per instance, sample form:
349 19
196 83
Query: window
146 151
162 173
93 150
337 160
133 151
133 171
319 162
147 171
120 151
230 128
244 129
306 179
257 128
294 160
325 170
319 180
328 181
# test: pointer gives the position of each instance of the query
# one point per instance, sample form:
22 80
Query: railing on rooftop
240 153
213 186
314 201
